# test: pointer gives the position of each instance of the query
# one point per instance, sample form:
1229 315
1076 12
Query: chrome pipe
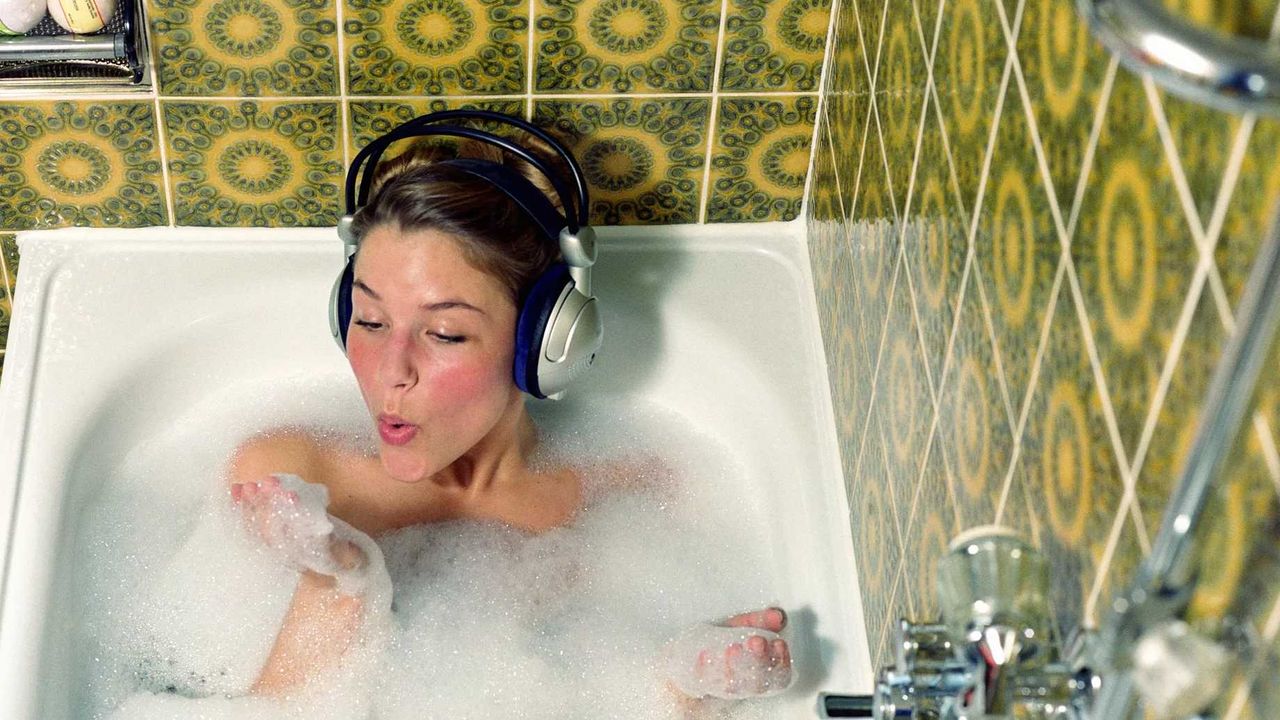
1237 74
63 47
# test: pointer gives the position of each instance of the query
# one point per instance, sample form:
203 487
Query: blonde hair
417 191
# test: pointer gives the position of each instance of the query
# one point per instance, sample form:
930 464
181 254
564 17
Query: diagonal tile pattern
1110 226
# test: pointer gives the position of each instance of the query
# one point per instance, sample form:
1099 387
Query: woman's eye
368 325
449 339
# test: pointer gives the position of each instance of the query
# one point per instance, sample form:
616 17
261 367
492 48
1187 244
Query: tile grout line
142 97
1037 361
1042 161
530 59
825 129
1104 99
1230 179
902 243
712 119
1181 331
984 175
820 119
343 109
1099 378
161 135
1108 554
984 307
1175 163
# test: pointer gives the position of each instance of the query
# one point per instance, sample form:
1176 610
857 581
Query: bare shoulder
278 451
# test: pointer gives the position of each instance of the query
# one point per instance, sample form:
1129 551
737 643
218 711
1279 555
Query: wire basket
49 55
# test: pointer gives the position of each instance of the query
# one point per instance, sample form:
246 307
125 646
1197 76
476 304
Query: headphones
558 328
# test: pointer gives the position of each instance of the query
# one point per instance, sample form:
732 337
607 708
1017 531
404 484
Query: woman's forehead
427 264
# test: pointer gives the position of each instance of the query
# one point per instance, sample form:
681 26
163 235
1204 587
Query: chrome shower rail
1238 74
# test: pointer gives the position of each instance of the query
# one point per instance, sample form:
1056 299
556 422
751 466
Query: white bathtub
114 329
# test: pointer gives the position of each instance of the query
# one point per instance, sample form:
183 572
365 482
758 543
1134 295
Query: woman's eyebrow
442 305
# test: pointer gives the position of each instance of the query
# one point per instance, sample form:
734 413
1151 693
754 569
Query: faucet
992 654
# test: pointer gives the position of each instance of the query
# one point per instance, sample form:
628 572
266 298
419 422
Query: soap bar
82 16
19 16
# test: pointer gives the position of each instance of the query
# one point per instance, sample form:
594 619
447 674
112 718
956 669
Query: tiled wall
1028 261
680 111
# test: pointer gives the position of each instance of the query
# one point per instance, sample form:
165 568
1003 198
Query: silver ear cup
572 337
334 321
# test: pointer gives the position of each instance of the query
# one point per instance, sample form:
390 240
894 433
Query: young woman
444 261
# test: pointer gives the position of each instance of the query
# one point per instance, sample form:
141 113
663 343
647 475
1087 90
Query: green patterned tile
436 47
897 607
826 240
871 14
1252 18
847 102
968 64
899 94
1016 251
1115 575
1134 254
876 545
973 418
272 164
1180 413
79 163
874 236
824 192
760 159
371 119
620 46
246 47
643 158
1255 204
1203 138
929 532
1064 68
1073 476
9 256
774 45
6 312
928 11
853 355
936 244
902 399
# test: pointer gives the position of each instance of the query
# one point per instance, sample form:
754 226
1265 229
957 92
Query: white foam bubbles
180 607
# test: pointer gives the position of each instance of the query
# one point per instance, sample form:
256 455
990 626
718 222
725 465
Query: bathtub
113 329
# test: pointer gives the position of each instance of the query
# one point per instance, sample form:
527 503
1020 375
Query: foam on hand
180 608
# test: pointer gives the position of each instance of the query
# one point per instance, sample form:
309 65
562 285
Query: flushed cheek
462 385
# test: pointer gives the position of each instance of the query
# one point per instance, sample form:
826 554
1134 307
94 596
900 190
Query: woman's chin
403 465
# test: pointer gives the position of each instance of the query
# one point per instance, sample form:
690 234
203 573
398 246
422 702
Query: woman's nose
397 368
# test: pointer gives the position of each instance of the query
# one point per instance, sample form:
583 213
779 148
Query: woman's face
431 342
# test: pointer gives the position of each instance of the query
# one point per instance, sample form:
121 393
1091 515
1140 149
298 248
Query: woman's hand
742 657
288 515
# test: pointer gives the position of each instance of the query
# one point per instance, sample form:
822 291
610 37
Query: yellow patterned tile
1253 207
899 94
436 47
8 285
974 423
1074 479
876 545
824 192
902 399
1016 250
643 158
1179 415
929 532
254 163
1114 574
852 359
246 47
1203 138
1134 254
774 45
870 14
370 119
1251 18
619 46
1064 68
849 72
848 103
969 60
79 163
760 159
936 244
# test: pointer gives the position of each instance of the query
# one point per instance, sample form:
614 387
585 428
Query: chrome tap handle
1237 74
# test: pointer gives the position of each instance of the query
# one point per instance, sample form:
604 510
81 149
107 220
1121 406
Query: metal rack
49 56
